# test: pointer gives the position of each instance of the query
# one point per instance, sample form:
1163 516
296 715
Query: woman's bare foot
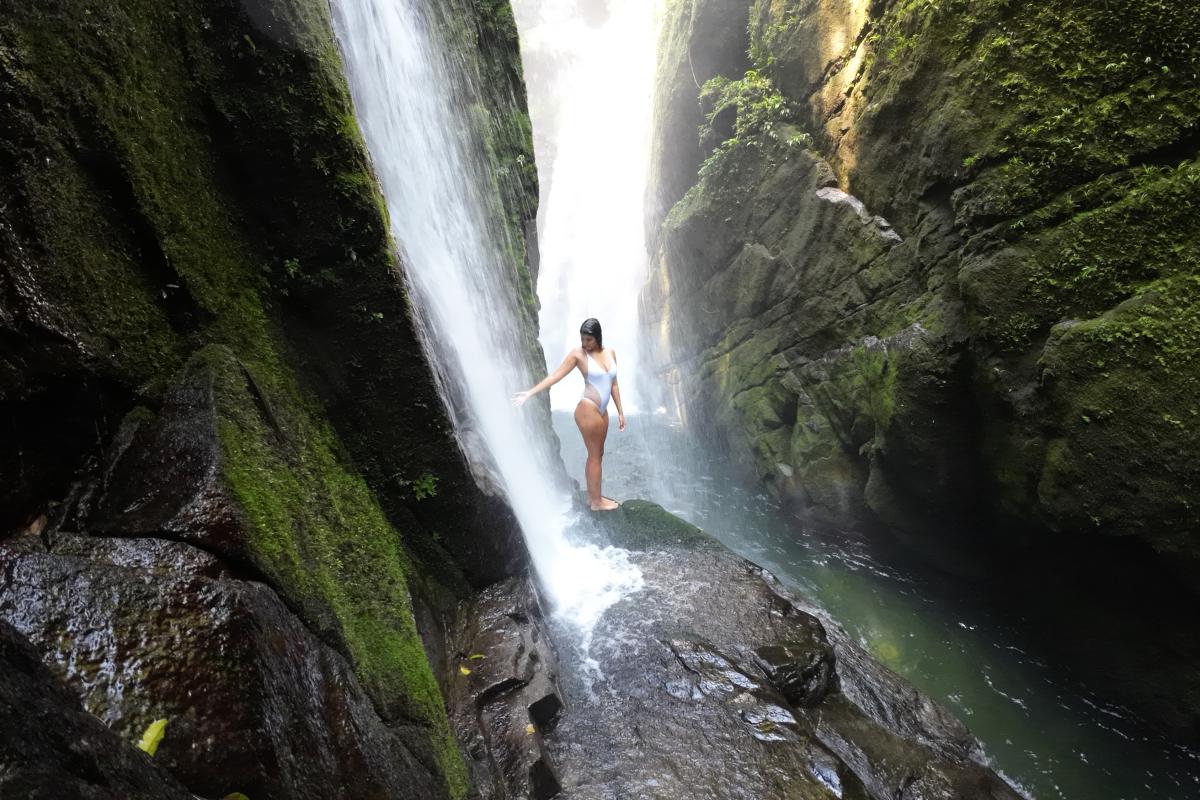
605 504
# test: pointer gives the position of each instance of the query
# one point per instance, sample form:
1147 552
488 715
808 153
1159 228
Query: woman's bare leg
594 427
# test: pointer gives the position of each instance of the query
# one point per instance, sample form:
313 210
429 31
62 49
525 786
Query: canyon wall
231 495
933 266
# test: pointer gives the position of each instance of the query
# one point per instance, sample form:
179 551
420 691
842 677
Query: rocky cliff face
937 267
230 489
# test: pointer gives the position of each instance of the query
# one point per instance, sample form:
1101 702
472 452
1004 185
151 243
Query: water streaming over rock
414 101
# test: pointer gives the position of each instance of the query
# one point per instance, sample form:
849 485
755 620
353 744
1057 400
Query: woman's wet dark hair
591 326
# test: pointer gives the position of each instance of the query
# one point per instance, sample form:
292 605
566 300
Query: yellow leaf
475 656
152 736
463 670
529 729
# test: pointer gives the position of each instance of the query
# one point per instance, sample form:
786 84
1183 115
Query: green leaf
152 736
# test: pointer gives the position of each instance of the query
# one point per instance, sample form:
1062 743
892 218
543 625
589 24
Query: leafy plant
425 486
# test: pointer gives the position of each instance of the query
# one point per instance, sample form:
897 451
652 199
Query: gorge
271 272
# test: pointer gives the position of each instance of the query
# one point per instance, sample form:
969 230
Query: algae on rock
189 202
1000 201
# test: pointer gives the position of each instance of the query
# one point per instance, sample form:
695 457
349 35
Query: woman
599 368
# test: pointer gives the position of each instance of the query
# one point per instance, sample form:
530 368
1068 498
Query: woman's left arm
616 396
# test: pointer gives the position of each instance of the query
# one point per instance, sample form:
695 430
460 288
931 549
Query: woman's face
588 341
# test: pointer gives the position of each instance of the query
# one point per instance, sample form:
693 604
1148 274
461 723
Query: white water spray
590 67
409 96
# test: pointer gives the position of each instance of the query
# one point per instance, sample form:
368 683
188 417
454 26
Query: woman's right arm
565 367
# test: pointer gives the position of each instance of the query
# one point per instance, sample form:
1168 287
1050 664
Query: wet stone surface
142 629
713 682
50 747
503 693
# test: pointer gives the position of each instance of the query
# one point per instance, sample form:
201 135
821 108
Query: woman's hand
519 398
620 422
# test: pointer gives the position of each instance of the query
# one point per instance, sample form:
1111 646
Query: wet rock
153 556
758 703
164 477
518 752
51 748
802 669
503 692
145 629
715 682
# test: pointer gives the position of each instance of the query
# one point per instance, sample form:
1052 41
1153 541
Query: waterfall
412 99
591 68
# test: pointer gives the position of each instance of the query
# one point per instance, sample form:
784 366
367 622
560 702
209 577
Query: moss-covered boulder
643 525
945 257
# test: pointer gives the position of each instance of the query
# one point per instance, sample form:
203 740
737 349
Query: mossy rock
643 525
1124 390
1046 180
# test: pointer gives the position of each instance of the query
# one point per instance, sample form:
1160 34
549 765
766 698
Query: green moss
855 392
642 525
154 244
1124 388
1096 246
318 533
166 168
1069 91
1091 262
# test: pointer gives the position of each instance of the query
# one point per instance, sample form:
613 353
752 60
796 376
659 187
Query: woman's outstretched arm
566 366
616 394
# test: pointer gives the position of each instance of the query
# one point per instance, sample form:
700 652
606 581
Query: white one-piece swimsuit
597 384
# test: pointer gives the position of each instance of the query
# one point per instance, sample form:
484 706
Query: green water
1046 732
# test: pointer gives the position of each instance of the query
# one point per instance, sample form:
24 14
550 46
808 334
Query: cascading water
411 100
590 102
